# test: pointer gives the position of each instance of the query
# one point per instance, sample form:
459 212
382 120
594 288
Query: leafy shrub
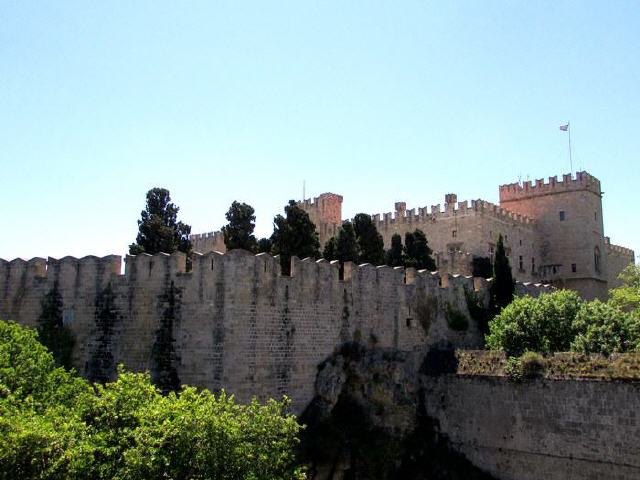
55 425
456 320
603 328
542 324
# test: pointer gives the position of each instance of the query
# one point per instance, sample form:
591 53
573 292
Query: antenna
304 190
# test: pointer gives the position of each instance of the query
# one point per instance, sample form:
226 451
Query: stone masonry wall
542 429
233 321
462 231
618 258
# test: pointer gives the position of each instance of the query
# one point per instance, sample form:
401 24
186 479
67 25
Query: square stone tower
568 214
325 211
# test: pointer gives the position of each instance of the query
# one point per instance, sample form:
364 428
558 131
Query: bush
55 425
456 320
603 328
542 324
528 365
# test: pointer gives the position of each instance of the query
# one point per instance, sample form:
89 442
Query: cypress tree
503 286
394 254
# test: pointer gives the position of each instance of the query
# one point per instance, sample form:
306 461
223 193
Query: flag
564 128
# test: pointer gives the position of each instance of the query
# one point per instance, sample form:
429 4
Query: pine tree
395 257
264 245
329 252
503 287
346 244
158 228
417 253
238 233
294 234
370 242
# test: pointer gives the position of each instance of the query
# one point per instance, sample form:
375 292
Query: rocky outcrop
368 421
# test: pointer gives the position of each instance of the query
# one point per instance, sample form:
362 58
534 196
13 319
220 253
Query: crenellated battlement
206 235
208 242
568 183
152 268
436 212
233 320
617 248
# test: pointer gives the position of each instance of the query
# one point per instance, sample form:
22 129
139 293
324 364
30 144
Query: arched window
596 259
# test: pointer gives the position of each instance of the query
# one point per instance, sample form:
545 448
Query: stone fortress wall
235 321
617 259
553 232
541 429
570 225
208 242
463 230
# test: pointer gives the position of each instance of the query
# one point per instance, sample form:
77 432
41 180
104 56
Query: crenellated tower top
519 191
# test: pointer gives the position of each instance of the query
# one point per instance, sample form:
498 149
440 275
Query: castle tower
325 211
570 229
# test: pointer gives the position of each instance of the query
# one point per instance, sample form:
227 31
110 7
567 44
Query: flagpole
570 158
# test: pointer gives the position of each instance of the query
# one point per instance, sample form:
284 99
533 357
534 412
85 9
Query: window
506 238
562 216
574 268
454 233
409 322
520 242
595 216
533 265
596 259
520 261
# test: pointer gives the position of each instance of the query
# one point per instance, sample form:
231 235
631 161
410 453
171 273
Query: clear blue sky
377 101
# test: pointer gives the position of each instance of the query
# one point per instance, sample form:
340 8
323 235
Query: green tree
395 256
264 245
159 229
346 244
541 324
329 251
294 234
604 328
52 332
370 242
627 296
417 251
55 425
238 233
503 286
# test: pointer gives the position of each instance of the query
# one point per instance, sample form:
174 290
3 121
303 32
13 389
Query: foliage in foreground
55 425
562 321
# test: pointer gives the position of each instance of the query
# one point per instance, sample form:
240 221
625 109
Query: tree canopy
417 251
238 233
395 254
294 234
55 425
562 321
346 244
370 242
158 228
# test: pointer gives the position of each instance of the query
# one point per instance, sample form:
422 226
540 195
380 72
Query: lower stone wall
540 429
